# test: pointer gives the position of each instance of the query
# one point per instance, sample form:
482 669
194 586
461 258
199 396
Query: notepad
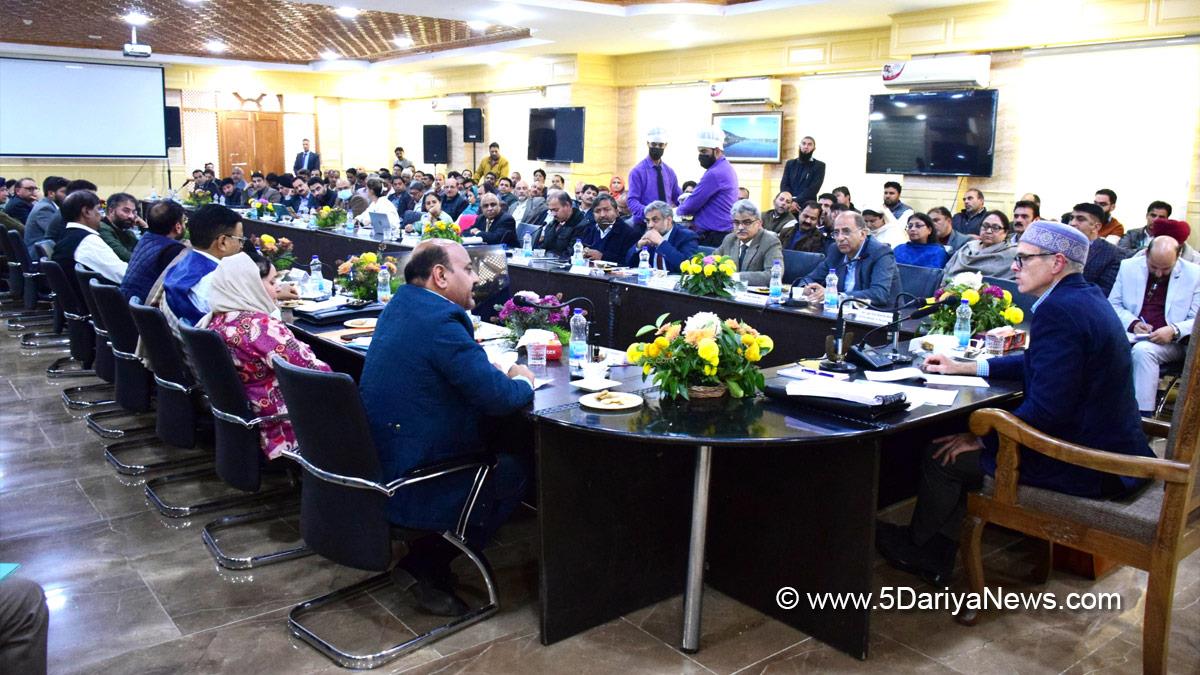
1137 337
931 378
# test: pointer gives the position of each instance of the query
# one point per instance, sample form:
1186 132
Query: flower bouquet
198 198
278 251
359 276
710 275
702 358
518 318
440 230
991 306
259 207
330 218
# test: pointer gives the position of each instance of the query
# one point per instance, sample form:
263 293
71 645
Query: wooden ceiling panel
263 30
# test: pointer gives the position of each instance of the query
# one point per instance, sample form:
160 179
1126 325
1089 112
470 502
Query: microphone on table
871 358
835 345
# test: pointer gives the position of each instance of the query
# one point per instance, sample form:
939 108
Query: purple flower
994 291
708 260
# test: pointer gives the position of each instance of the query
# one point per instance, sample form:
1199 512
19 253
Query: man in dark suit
453 203
399 196
559 234
425 337
307 160
493 224
1078 377
229 195
668 245
610 236
1104 258
803 175
21 203
865 268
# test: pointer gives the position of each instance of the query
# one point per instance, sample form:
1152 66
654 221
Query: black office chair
919 282
798 264
82 337
33 297
48 339
706 249
410 217
104 364
183 415
343 504
239 457
19 316
526 229
133 383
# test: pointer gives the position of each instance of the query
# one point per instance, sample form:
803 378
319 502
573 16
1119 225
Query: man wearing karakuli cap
1078 385
710 202
652 180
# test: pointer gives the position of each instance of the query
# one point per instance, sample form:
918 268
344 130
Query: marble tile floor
133 592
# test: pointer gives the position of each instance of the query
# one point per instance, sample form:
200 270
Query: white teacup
594 370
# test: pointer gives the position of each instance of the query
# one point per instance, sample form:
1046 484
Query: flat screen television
556 134
936 133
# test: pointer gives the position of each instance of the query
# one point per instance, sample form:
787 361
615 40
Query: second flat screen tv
942 133
556 134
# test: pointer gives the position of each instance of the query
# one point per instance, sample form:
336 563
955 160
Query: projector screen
66 109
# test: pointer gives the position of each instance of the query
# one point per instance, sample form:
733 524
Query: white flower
971 280
702 321
529 295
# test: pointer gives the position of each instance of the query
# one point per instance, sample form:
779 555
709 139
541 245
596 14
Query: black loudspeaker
174 132
437 144
473 125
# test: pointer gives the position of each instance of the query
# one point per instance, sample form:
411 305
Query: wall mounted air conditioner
940 72
452 103
756 90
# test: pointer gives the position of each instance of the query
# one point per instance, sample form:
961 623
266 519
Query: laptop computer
380 226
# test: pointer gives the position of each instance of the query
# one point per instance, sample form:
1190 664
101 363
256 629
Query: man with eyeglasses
25 193
216 232
1078 378
753 247
865 268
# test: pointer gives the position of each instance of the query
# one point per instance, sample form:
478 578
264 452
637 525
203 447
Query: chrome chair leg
224 502
57 369
114 452
1166 396
44 340
230 562
25 323
95 423
364 661
71 396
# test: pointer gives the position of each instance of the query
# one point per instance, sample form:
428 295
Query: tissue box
554 350
1003 343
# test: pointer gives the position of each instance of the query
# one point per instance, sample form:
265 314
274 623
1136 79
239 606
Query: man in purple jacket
652 180
710 202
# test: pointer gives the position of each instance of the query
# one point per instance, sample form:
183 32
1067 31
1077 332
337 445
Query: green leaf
734 388
661 318
645 329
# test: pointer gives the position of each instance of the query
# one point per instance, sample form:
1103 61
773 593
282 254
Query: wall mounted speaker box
437 144
473 125
173 130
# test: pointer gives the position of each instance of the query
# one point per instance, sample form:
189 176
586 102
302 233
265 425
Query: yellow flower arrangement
328 218
710 275
440 230
359 276
703 351
991 307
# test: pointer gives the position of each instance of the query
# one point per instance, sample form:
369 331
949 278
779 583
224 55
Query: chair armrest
436 470
1009 426
1155 428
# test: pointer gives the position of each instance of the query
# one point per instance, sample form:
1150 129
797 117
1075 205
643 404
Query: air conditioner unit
756 90
941 72
455 103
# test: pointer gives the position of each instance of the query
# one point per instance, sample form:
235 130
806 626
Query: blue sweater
1078 376
922 255
150 257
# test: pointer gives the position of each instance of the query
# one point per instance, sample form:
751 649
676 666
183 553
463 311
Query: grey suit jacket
535 210
268 193
37 225
763 251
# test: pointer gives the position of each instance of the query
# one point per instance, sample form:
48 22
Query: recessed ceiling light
922 117
95 37
136 19
215 46
330 55
403 41
478 25
347 12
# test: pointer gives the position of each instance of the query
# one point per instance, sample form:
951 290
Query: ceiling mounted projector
137 51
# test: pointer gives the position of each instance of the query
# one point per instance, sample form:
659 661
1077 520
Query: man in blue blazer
865 268
307 161
426 386
669 246
1078 383
609 236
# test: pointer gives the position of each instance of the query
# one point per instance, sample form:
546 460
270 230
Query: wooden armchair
1153 529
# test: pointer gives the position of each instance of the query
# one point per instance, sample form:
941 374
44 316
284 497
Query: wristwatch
1177 332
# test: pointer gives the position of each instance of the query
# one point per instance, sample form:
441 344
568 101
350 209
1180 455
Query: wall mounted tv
937 133
556 134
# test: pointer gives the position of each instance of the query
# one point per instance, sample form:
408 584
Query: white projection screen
68 109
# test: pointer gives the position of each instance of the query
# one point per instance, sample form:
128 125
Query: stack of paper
931 378
865 391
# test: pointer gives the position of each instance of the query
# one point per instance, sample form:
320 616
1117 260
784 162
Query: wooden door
251 140
268 143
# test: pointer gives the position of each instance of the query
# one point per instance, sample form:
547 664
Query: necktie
742 255
662 188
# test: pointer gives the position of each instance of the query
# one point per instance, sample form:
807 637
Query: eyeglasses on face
1020 258
915 226
988 227
744 223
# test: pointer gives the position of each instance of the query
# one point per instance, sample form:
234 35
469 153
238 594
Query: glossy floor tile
132 591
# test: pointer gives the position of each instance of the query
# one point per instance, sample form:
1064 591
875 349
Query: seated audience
527 208
865 268
1139 237
1111 229
243 312
155 250
302 200
1104 258
806 233
44 212
216 233
259 189
493 224
1177 230
610 236
453 203
57 224
81 242
894 209
229 196
566 225
922 248
780 217
991 254
1024 213
18 206
688 186
321 196
376 191
668 245
943 225
120 224
431 214
1156 295
886 231
587 200
841 194
239 179
971 217
399 196
472 204
1078 381
753 248
504 187
425 333
24 626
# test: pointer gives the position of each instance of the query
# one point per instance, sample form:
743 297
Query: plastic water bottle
527 246
578 347
776 286
831 291
383 288
315 277
577 259
312 220
153 194
644 266
962 324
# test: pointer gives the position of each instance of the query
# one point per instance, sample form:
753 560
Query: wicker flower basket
704 391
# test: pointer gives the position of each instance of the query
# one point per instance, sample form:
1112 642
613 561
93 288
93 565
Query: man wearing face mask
117 226
710 202
803 175
344 192
610 237
652 180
